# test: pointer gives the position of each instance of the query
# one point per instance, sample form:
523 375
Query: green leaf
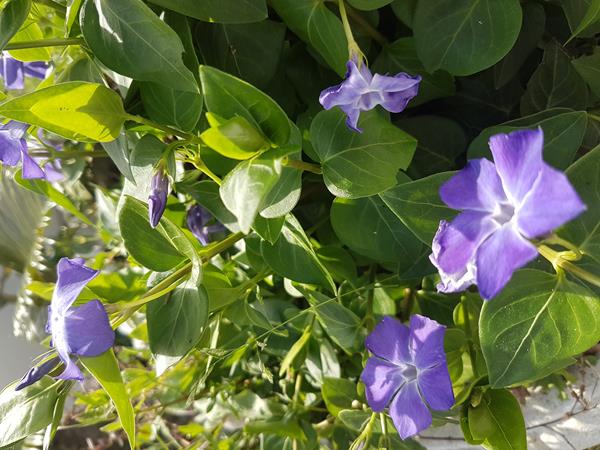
418 205
235 138
118 150
498 422
220 11
246 187
563 134
206 193
316 25
584 231
477 34
143 160
180 109
293 257
338 394
534 21
176 321
228 96
535 326
30 31
338 262
369 5
42 187
554 83
268 229
27 411
130 39
341 324
295 349
588 67
589 20
12 16
401 56
368 227
85 112
251 52
282 198
106 371
145 244
360 164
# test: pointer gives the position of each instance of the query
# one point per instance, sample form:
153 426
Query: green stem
44 43
170 131
199 164
594 116
558 261
354 51
365 435
301 165
208 252
71 154
468 331
554 239
367 27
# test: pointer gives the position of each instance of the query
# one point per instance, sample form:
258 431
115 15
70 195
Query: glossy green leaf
418 205
26 411
316 25
369 5
30 31
234 138
228 96
338 394
12 16
143 159
368 227
588 24
130 39
498 421
294 351
535 326
284 196
106 371
360 164
118 150
563 133
293 257
588 67
176 108
80 111
145 244
401 56
554 83
475 36
220 11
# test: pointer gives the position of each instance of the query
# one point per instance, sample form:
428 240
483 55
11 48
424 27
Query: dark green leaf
535 326
360 164
475 36
220 11
583 16
588 67
176 108
369 5
12 16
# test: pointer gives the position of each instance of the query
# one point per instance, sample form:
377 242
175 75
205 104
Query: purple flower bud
408 372
14 72
362 91
157 201
197 219
36 373
503 205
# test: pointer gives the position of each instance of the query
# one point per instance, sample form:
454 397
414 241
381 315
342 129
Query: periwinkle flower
197 222
157 200
13 148
408 372
362 91
14 72
504 205
82 331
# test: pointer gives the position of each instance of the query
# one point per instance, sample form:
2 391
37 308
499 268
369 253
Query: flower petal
382 380
12 72
458 242
396 91
426 342
31 169
389 340
499 256
477 187
87 329
71 371
551 202
518 158
10 148
36 373
408 412
72 278
353 115
349 91
436 387
36 69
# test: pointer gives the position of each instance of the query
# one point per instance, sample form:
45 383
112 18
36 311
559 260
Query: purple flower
408 372
14 71
504 204
197 219
83 330
36 373
362 91
157 200
13 148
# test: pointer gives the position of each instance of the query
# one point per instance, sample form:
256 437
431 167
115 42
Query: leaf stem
44 43
365 436
367 27
301 165
70 154
354 51
558 261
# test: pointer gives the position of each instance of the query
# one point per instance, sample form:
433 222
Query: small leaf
235 138
106 371
294 351
85 112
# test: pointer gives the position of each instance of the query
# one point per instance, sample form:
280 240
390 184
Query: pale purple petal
53 172
10 148
17 129
389 340
87 329
551 203
436 387
518 159
72 278
477 187
382 380
458 242
408 412
31 169
396 91
498 257
426 342
36 373
36 69
349 91
12 72
71 371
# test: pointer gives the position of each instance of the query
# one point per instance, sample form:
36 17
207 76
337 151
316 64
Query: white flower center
504 213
